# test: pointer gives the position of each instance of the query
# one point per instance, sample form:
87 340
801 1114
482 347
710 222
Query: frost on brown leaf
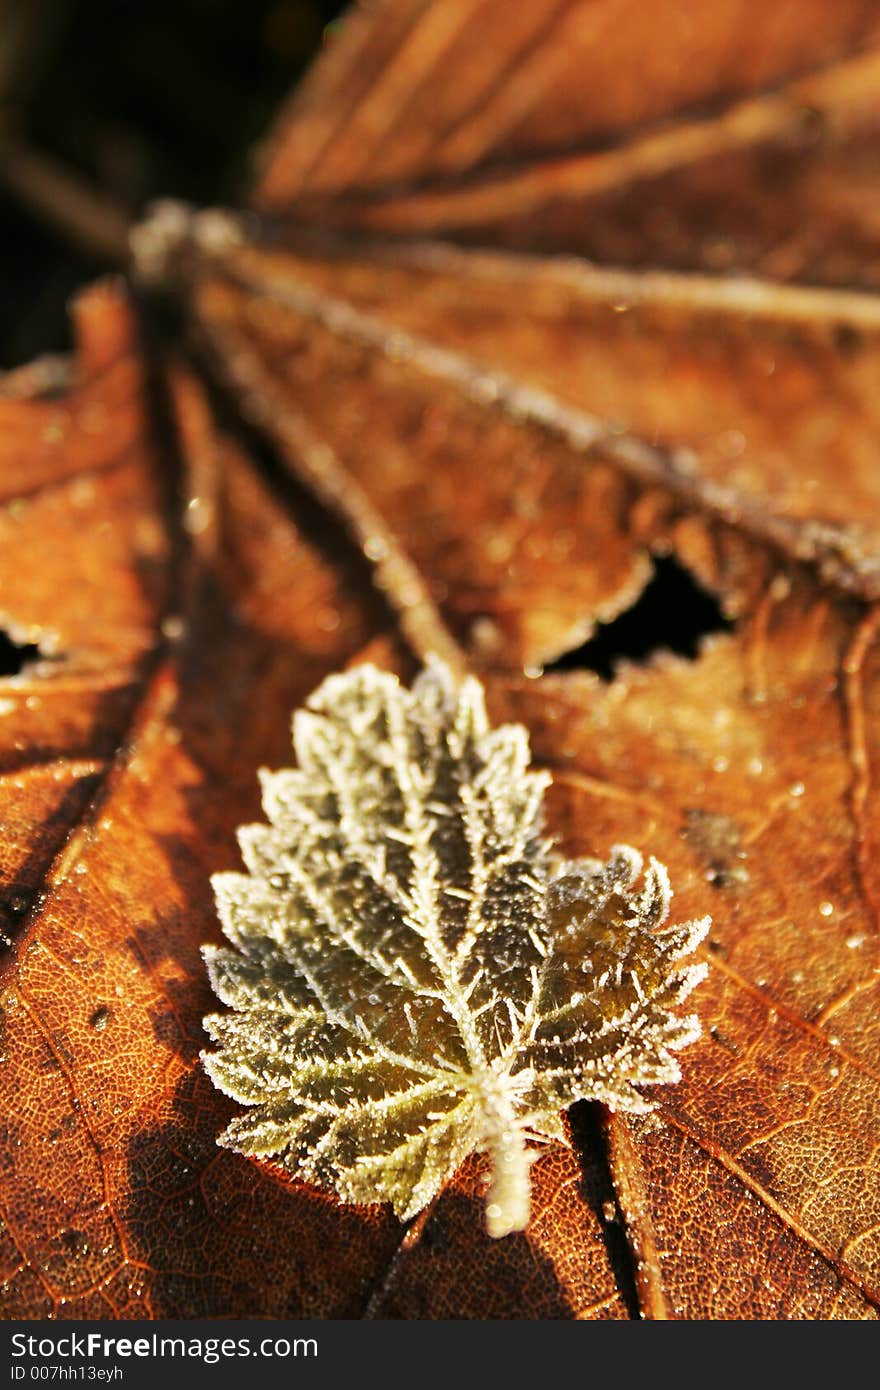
416 976
414 430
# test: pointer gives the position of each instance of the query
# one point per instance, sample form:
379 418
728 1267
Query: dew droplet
82 493
328 620
197 517
485 635
375 548
780 587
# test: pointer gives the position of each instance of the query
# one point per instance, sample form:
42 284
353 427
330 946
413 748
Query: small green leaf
415 975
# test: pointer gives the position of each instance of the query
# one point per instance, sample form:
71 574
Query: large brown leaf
736 134
503 450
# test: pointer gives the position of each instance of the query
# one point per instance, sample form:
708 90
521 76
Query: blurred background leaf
142 99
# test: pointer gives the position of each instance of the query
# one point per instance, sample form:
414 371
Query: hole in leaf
672 613
14 656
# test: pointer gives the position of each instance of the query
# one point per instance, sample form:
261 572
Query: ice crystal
415 976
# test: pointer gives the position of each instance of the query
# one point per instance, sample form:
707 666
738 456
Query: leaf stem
508 1200
55 194
410 1240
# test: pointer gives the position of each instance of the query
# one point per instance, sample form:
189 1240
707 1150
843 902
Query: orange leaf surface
395 446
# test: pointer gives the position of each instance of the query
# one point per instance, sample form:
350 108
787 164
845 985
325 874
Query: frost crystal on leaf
414 975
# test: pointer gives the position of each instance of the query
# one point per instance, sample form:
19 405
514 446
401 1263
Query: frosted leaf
414 976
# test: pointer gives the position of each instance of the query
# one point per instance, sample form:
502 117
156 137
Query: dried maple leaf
522 447
416 978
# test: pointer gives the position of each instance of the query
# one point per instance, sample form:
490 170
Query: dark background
142 99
